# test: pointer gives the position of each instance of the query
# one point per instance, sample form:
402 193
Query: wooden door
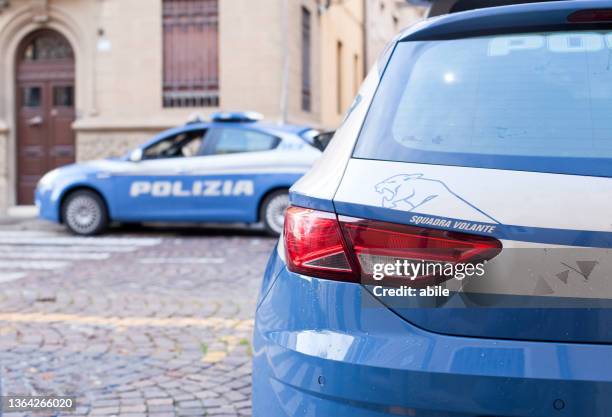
45 109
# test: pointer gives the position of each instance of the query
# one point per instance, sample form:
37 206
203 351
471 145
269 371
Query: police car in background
234 169
481 137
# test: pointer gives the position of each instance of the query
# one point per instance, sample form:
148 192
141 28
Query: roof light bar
237 117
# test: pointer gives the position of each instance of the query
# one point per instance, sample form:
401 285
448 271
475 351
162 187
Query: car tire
84 213
273 212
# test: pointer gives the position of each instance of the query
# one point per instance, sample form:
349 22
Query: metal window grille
48 46
306 64
191 53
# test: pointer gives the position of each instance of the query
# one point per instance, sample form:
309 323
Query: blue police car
482 138
233 169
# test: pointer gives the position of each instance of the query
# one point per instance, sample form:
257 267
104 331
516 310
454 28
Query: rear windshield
534 102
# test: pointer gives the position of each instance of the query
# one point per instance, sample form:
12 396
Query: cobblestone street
150 322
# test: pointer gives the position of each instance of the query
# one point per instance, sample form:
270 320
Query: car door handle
35 121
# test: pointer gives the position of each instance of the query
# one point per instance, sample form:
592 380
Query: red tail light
376 242
319 244
591 16
314 245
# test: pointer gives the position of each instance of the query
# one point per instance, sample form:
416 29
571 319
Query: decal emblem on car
410 191
210 188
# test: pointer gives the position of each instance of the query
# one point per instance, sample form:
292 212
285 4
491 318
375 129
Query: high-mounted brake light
321 245
591 16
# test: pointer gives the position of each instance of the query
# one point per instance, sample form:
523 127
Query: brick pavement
158 326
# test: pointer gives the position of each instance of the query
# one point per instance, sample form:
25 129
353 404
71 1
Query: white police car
234 169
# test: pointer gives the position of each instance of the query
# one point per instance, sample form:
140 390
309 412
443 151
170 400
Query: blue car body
540 344
210 185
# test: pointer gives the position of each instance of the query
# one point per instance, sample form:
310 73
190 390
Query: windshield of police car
540 101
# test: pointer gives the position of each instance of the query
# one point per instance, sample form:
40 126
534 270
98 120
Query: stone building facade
386 18
85 79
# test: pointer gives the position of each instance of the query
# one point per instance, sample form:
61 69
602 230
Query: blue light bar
237 117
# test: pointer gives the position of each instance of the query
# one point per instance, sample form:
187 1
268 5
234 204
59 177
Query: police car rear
485 140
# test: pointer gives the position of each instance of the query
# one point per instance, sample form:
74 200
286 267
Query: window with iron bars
191 53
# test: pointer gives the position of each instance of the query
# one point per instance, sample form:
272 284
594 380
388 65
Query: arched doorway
45 111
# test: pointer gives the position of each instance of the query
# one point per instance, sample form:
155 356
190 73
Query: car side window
230 141
181 145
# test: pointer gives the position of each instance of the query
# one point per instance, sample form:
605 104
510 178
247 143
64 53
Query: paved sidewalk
152 322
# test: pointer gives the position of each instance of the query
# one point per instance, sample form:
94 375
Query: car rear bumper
319 351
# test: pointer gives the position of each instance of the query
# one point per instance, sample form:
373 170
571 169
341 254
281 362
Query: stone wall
118 50
4 166
385 19
341 24
99 145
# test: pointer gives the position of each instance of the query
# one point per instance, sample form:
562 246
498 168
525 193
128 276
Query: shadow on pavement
208 230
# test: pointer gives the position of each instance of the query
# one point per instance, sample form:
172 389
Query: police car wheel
273 212
84 213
